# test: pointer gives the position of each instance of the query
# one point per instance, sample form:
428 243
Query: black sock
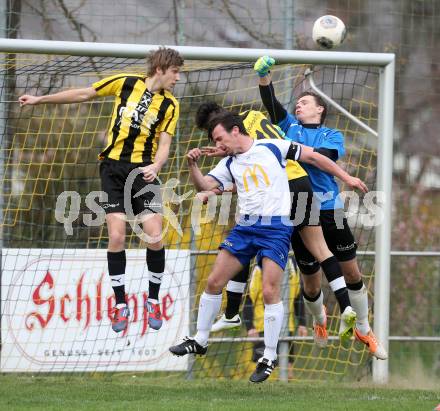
234 297
343 298
311 299
156 267
333 273
116 269
355 286
233 304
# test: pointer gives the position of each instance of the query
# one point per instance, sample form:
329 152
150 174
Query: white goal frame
386 64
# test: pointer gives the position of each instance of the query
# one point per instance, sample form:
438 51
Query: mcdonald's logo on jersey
252 173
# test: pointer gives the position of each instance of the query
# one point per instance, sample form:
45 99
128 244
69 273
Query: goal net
55 293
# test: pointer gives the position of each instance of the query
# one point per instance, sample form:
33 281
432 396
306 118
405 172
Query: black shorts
114 176
302 203
338 237
337 234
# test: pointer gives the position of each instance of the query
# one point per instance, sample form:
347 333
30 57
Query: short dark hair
228 120
163 58
318 100
205 112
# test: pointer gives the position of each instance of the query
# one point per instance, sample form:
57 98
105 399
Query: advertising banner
56 312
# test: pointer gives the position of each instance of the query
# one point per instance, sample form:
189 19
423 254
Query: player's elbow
86 94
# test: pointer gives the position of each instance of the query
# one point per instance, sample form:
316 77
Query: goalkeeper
305 126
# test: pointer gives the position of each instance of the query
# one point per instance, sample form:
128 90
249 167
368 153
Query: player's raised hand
263 65
209 151
354 182
193 155
28 100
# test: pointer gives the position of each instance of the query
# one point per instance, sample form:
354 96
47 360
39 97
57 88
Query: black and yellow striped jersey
258 127
138 118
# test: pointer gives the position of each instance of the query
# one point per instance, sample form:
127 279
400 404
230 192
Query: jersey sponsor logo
251 173
252 122
137 113
267 130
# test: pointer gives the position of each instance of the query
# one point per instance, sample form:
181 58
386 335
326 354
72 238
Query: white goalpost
383 135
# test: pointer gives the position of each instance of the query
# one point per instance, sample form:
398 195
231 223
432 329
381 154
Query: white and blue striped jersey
260 177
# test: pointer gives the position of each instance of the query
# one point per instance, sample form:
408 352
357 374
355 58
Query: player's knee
351 271
271 293
321 252
311 289
352 277
154 232
214 285
117 240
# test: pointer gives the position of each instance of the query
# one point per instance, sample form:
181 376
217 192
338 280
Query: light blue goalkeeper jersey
317 137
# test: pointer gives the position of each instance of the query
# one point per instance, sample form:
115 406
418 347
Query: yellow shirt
138 118
259 127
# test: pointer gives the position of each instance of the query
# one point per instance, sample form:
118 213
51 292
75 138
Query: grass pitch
140 392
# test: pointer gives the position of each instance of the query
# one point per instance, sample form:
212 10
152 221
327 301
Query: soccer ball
329 32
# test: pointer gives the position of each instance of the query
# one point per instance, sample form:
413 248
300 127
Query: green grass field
130 392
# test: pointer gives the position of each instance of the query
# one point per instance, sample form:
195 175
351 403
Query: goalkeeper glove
263 64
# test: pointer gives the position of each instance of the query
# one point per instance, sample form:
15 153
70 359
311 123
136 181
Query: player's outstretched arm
325 164
201 182
275 109
76 95
262 67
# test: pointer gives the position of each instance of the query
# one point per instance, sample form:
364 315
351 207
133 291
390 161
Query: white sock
235 287
316 308
337 284
117 280
209 308
273 320
359 302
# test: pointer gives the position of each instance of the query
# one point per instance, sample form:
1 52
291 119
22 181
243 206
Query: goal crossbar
75 48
